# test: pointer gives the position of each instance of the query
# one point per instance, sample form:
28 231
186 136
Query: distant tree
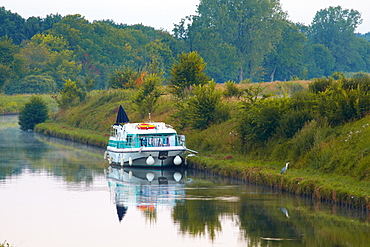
318 60
49 54
33 84
72 94
12 25
251 27
334 28
148 94
125 78
285 60
11 64
188 71
34 112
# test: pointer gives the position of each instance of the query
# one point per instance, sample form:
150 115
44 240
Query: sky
163 14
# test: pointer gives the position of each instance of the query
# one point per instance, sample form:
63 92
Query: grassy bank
343 190
12 104
73 134
327 163
338 189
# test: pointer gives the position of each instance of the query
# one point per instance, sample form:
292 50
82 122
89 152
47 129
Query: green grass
329 187
326 163
12 104
73 134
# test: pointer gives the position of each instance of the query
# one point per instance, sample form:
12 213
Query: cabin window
157 140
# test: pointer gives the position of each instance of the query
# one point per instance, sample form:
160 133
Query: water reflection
145 189
22 150
192 208
267 218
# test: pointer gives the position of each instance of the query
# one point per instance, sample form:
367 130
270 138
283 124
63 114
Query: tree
334 28
36 84
148 94
188 71
126 78
318 60
285 60
34 112
11 64
72 94
49 54
252 27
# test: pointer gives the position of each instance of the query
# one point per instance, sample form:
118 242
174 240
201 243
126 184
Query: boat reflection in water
145 189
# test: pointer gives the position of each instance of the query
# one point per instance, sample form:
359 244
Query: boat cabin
136 135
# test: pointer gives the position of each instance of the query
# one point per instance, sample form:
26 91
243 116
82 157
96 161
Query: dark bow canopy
122 117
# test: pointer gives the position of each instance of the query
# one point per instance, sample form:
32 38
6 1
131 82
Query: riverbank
323 187
344 190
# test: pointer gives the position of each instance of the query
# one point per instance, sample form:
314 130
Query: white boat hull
139 156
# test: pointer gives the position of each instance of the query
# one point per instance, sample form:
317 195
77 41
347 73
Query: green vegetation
252 136
188 71
34 112
13 104
243 41
321 128
5 244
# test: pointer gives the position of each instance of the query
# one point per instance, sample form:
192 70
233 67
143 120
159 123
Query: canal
59 193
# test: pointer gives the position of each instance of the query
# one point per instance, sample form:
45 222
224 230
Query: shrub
203 108
320 84
34 112
232 90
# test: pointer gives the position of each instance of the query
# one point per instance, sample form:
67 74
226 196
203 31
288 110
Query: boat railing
147 141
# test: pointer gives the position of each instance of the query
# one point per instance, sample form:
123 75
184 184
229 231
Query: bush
232 90
34 112
203 108
320 84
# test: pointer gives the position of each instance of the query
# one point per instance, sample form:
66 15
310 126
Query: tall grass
326 162
12 104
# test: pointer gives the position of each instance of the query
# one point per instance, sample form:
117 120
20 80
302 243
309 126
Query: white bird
285 211
285 168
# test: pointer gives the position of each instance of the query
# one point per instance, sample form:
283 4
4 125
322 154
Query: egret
285 211
285 168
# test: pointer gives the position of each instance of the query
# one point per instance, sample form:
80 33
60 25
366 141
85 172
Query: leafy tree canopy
189 70
34 112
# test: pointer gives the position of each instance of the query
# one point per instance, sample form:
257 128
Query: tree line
240 41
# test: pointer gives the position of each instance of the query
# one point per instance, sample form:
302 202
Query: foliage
203 108
320 84
249 29
126 78
72 94
334 28
34 112
259 120
319 60
148 94
10 62
37 84
285 60
188 71
232 90
236 39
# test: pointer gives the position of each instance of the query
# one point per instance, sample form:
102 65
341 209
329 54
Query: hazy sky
164 13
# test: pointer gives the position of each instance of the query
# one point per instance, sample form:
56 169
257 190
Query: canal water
59 193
